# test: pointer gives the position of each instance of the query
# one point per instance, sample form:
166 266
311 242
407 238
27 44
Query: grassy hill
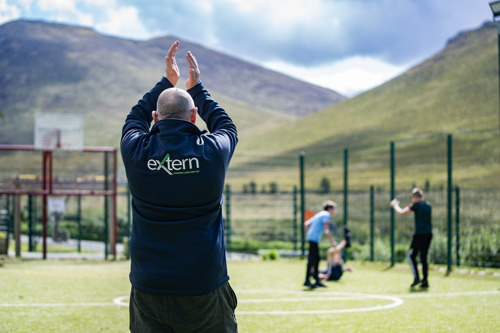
57 68
453 92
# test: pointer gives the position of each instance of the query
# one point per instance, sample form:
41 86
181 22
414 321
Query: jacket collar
175 127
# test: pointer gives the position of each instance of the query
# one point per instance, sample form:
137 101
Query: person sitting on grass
335 269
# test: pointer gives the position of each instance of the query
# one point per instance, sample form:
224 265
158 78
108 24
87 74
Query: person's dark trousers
419 245
313 261
210 312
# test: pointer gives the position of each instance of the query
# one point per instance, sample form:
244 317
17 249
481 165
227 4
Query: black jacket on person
176 176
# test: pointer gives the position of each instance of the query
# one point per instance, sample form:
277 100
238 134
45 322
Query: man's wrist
166 82
195 90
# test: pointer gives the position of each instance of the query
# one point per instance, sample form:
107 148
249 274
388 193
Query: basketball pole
46 189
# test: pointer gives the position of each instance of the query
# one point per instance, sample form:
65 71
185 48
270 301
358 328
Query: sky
349 46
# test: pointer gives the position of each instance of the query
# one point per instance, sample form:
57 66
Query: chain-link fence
263 196
474 162
263 201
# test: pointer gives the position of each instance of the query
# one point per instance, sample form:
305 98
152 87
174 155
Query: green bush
438 253
273 255
381 251
481 247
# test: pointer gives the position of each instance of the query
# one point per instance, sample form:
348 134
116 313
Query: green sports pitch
89 296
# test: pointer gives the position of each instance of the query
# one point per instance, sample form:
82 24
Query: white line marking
395 302
301 299
119 300
464 293
49 305
335 296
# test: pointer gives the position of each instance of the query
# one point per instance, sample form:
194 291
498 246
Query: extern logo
175 166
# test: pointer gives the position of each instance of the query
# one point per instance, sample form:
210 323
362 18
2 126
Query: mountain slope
47 67
455 91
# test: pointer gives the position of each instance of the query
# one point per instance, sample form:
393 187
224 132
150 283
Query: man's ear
193 114
155 116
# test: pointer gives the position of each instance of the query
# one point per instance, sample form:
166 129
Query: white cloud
280 12
106 16
8 12
25 4
84 19
348 77
330 43
122 21
56 5
101 3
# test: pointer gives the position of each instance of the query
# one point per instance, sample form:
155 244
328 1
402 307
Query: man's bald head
175 103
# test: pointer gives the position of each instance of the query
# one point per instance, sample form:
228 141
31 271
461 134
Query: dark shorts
210 312
334 272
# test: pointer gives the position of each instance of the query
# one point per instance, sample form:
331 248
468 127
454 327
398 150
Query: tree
324 185
273 188
253 187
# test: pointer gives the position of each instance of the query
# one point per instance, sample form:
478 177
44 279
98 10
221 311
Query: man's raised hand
194 72
171 65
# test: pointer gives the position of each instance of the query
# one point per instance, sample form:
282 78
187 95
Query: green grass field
77 296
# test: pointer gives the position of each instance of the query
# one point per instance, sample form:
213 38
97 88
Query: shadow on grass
418 290
308 289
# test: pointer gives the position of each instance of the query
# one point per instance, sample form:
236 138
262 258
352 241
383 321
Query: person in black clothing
423 234
176 174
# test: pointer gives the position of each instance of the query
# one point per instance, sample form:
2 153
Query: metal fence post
450 192
295 217
106 213
346 190
10 211
302 203
30 223
392 197
372 223
79 221
457 222
17 220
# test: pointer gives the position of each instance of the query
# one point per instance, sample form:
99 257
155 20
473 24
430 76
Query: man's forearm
397 209
140 116
332 241
210 111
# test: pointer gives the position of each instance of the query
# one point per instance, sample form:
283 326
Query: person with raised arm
176 174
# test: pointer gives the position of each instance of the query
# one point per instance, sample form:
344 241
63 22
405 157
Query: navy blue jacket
176 176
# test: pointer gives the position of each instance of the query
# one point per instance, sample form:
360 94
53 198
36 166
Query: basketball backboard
58 131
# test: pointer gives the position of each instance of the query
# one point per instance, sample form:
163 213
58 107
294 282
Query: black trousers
212 312
419 245
313 261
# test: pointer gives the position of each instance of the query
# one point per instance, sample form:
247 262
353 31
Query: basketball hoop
58 131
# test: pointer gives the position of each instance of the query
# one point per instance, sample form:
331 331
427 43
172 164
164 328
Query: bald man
176 175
